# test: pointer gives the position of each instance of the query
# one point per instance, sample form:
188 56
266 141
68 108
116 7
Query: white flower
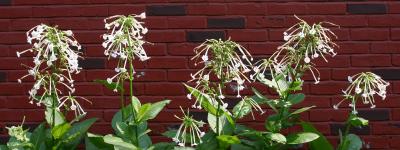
364 86
286 37
54 61
188 130
204 58
307 60
125 42
142 15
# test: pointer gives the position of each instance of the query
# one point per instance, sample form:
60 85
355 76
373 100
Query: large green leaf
358 121
352 142
276 137
300 138
111 86
296 98
136 103
59 130
212 121
96 142
150 111
298 111
321 142
76 133
38 136
241 109
118 143
118 116
58 117
164 146
225 141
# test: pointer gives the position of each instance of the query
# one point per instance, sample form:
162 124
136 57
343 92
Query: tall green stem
131 73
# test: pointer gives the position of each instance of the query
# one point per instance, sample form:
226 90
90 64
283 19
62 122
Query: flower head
303 44
125 42
56 58
189 131
365 85
18 132
227 60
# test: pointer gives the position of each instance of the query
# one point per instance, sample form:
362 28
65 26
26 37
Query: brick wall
368 39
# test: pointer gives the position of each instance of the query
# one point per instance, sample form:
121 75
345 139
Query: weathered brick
201 36
366 130
388 74
225 23
92 63
166 10
375 114
366 8
5 2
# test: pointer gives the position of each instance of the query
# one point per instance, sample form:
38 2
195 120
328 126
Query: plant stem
122 105
132 103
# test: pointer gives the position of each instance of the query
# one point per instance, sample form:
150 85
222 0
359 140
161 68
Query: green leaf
212 121
118 143
261 99
321 142
210 142
136 104
225 141
300 138
277 137
3 147
118 116
150 111
203 98
352 142
76 133
59 130
111 86
358 121
298 111
266 81
183 148
58 117
273 123
164 146
93 141
296 98
241 109
38 136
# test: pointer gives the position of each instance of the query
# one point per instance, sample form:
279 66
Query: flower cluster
124 41
364 85
56 58
303 42
227 60
189 130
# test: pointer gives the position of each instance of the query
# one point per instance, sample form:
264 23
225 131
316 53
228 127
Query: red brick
365 34
206 9
166 36
169 62
371 61
187 22
245 9
248 35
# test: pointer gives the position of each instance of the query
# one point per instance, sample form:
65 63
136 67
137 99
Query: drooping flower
364 86
125 42
227 60
56 58
303 44
189 131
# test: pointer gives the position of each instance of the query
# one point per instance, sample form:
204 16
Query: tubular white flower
189 131
124 41
303 44
365 85
227 60
56 58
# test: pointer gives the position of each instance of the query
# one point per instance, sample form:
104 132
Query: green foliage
300 138
321 142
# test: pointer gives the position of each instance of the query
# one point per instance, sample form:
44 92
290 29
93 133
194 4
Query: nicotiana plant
125 43
55 60
224 63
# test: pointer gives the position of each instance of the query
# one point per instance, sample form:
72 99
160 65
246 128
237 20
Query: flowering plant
56 58
125 43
